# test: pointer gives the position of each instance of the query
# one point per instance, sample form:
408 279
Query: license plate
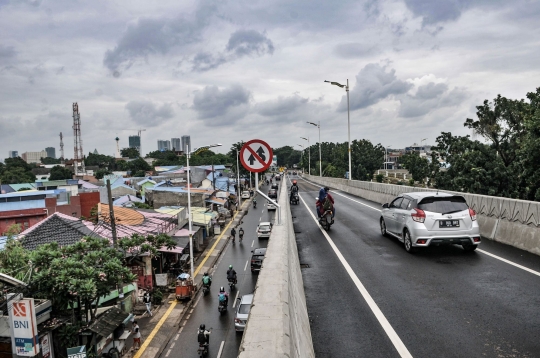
448 223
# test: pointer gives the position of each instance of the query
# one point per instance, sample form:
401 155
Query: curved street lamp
309 154
318 125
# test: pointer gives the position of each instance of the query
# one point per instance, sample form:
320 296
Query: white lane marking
191 311
245 267
235 299
220 349
253 243
172 345
178 334
168 352
398 344
180 331
196 302
478 250
188 317
509 262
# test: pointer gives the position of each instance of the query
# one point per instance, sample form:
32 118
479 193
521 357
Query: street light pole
238 181
318 125
309 154
190 222
348 121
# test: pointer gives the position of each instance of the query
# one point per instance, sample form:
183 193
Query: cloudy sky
231 70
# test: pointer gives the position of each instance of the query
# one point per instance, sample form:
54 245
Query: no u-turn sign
256 155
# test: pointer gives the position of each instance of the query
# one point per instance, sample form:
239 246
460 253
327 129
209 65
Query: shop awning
108 322
176 250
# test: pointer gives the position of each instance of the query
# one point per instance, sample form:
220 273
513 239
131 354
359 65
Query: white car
242 312
264 229
245 194
270 206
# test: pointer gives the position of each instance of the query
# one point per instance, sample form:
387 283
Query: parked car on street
242 312
430 219
264 229
245 194
257 259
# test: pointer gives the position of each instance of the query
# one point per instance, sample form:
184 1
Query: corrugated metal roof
17 187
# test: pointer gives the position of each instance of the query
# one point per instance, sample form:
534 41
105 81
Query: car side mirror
385 206
251 250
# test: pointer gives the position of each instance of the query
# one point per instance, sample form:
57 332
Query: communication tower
61 148
78 149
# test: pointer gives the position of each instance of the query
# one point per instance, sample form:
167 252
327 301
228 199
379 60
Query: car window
396 203
444 204
243 309
264 228
406 204
257 257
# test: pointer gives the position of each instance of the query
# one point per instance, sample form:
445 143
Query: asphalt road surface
367 297
224 340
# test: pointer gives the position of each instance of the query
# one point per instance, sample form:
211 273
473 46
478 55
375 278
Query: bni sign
24 333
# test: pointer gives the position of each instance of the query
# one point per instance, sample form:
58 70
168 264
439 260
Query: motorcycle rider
223 296
233 233
254 203
231 274
203 335
294 189
241 233
323 195
207 280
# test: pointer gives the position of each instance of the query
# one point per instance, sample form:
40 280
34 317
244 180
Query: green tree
15 171
529 151
100 160
100 173
129 153
60 173
49 160
138 165
14 259
416 165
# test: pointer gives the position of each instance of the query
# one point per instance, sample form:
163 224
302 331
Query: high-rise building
135 142
13 154
51 152
33 157
186 141
176 144
163 145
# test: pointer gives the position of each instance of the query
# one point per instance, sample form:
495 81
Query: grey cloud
249 42
373 84
429 98
149 36
433 12
280 106
241 43
148 113
7 52
213 102
355 50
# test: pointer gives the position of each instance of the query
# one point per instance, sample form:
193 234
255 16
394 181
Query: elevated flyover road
367 297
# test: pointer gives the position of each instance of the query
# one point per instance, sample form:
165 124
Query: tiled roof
60 228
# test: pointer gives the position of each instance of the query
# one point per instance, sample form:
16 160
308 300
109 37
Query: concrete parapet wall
511 221
278 324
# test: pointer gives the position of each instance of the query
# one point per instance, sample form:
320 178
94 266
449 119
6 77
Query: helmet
221 289
205 274
294 182
202 327
326 188
230 266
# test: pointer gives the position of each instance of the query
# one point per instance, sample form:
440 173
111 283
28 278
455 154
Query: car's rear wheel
469 248
383 228
407 242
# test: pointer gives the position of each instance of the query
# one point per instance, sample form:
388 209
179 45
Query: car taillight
476 239
472 213
421 241
419 215
237 320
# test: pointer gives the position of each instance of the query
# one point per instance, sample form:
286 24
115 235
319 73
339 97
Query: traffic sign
256 156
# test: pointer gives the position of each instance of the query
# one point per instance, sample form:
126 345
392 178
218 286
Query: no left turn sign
256 156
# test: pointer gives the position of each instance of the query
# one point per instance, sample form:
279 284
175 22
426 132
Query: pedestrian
148 302
136 335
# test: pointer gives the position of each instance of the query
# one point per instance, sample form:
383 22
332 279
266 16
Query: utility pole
111 212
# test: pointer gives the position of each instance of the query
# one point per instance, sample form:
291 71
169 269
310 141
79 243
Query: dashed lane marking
235 299
220 349
253 243
168 352
172 345
178 334
390 332
245 267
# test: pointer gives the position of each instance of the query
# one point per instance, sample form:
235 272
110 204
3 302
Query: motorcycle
326 220
206 289
254 205
232 282
202 351
241 237
295 199
222 307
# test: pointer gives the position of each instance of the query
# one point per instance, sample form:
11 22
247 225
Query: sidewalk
157 331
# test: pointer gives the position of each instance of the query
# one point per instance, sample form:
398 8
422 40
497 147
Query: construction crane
139 135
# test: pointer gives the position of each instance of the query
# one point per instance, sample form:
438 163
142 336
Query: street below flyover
367 297
224 340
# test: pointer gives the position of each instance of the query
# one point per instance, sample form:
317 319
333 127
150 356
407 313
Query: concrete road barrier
278 324
510 221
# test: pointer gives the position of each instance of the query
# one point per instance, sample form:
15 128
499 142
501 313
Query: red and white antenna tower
78 149
61 147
